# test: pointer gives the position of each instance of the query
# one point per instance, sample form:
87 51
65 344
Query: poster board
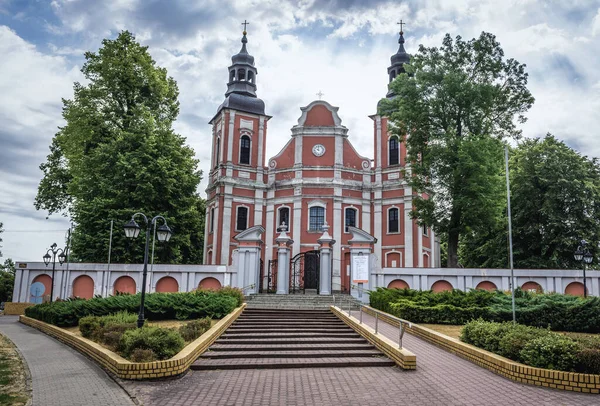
360 268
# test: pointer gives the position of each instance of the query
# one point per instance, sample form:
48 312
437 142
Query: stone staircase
299 301
276 338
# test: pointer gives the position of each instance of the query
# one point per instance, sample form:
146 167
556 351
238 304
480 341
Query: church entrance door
305 269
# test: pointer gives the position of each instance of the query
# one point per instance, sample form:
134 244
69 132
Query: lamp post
62 255
583 254
132 230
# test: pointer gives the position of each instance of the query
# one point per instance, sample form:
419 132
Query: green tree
1 231
555 201
457 103
118 154
7 280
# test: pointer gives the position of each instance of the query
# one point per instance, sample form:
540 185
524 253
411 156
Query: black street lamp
163 233
62 255
583 254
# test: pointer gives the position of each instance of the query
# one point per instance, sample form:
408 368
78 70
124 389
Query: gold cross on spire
245 23
320 94
401 24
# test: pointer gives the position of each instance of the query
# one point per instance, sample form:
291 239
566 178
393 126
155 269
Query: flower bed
554 311
535 347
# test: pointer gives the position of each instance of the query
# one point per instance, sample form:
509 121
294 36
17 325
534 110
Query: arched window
316 218
232 75
217 151
241 75
212 219
393 220
250 76
350 214
394 151
245 150
242 218
283 217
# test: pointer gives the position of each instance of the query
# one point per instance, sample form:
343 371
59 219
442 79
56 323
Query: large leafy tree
457 103
118 154
7 280
555 201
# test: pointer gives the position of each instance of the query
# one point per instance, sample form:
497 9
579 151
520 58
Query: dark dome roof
243 57
243 103
401 56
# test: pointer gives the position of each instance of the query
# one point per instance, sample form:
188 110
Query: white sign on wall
360 268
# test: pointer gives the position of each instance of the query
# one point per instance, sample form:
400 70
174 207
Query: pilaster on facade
338 225
227 226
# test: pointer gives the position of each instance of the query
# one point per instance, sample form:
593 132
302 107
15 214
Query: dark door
312 264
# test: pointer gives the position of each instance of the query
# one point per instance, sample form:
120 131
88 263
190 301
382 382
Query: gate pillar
283 260
326 243
361 263
248 269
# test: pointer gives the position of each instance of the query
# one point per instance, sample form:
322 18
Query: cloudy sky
339 47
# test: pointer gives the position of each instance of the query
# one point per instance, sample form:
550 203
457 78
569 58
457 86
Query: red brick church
318 178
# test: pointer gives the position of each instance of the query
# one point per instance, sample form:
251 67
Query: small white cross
320 94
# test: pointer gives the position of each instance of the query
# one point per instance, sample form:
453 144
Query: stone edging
122 368
15 309
402 357
569 381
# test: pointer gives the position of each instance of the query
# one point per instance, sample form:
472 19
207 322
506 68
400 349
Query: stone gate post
248 272
326 243
361 247
283 260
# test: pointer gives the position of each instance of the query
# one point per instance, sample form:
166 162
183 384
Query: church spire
398 60
242 72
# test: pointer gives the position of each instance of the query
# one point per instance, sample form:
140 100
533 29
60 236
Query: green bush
141 355
513 342
165 343
233 292
195 328
554 311
89 325
551 351
158 306
484 334
110 335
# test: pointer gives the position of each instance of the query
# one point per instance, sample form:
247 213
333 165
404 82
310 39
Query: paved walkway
60 375
441 378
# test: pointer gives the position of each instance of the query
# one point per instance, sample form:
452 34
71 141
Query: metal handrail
401 322
247 287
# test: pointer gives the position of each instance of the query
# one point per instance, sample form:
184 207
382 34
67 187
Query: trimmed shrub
236 293
588 361
141 355
551 351
89 325
195 328
158 306
110 335
165 343
512 343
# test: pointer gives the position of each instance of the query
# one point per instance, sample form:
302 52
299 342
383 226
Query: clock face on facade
318 150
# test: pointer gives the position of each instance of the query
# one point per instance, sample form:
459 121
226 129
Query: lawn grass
12 375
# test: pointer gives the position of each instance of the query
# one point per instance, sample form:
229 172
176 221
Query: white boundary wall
551 280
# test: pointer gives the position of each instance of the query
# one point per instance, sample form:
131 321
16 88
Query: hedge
158 306
554 311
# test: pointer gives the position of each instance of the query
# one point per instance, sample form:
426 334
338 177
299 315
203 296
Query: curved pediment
252 234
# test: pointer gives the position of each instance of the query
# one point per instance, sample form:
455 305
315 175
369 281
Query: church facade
318 179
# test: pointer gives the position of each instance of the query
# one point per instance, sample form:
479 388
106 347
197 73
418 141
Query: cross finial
401 24
245 23
320 94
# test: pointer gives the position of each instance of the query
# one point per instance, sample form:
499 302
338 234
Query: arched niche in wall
83 287
167 284
486 285
124 284
209 283
398 284
441 286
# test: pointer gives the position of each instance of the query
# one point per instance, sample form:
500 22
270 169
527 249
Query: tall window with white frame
350 221
283 217
217 151
394 150
242 218
245 150
212 219
316 218
393 220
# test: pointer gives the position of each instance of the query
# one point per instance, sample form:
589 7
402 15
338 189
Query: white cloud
596 24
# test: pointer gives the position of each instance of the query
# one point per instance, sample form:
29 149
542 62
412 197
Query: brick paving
441 378
60 375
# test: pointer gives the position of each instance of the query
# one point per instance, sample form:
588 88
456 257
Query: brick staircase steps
291 354
271 363
281 338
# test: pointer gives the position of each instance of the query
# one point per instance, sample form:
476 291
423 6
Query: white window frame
387 220
247 217
425 231
247 133
310 206
388 149
356 217
211 225
217 158
278 224
393 252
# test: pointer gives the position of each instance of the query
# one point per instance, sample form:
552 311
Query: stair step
291 347
233 336
288 329
306 340
265 363
311 353
287 322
